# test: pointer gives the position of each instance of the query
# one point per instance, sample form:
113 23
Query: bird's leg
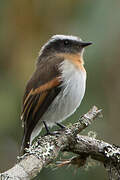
60 125
48 131
46 127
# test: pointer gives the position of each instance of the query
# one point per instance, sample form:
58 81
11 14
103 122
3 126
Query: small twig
86 120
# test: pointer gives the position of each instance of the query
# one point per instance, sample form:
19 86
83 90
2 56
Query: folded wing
40 92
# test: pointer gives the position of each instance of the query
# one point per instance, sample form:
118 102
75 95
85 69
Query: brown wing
40 91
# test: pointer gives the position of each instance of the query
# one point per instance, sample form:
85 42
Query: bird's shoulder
47 73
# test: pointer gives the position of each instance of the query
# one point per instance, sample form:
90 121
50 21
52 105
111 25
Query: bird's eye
66 42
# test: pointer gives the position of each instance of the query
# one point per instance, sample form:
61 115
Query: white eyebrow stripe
62 37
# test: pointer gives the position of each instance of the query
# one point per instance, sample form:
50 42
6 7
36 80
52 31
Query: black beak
84 44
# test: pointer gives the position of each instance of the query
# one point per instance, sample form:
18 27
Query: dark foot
48 131
61 125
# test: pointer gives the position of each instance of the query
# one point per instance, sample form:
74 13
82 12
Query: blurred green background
24 27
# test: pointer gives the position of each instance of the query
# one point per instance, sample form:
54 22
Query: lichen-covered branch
47 148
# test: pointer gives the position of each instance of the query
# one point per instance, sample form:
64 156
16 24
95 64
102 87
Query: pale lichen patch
113 152
92 134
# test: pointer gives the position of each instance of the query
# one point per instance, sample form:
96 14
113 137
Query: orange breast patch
76 59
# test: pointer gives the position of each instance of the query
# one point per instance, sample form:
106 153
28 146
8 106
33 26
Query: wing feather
40 91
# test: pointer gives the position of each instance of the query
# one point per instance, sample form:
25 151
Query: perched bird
57 86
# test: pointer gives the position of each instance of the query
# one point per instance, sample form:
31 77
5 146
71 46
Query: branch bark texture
46 149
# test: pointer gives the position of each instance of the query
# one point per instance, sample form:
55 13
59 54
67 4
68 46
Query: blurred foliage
25 27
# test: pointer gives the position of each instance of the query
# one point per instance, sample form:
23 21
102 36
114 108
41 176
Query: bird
56 87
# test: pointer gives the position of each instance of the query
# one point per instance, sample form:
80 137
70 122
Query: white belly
68 100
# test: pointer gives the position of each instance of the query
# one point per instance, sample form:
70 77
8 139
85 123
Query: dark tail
25 143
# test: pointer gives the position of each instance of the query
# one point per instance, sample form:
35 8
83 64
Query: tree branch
47 148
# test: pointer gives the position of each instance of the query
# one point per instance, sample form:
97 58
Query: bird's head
64 44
